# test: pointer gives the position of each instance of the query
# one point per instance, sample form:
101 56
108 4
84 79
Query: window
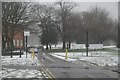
17 42
14 42
21 43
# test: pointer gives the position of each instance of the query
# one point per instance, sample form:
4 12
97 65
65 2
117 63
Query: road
63 69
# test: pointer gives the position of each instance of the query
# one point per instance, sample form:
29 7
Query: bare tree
64 11
14 20
47 22
98 23
74 25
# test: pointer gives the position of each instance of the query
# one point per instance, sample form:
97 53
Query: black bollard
20 53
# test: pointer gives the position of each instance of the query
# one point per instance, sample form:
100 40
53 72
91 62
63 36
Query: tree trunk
8 45
3 43
50 47
46 46
11 44
64 45
69 45
12 38
118 44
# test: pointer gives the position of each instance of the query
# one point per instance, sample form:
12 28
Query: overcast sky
112 7
109 5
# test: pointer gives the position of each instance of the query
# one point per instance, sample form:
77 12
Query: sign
26 33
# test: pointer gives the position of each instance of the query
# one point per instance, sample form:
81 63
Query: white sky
59 0
112 7
83 5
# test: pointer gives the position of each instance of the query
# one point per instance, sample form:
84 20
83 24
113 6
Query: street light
87 43
26 34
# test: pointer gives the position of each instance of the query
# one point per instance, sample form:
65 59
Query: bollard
11 53
20 53
33 54
66 57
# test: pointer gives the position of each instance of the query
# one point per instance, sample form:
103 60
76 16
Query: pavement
24 67
80 69
22 72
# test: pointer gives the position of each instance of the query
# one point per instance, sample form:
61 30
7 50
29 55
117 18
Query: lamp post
87 43
26 45
26 34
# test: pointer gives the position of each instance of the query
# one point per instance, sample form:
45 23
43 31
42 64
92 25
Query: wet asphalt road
81 70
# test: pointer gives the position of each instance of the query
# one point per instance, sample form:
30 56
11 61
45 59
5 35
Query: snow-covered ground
20 73
6 60
15 73
100 58
81 46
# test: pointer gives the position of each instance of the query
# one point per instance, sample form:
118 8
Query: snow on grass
100 58
20 73
6 60
109 46
102 61
15 73
81 46
63 58
78 46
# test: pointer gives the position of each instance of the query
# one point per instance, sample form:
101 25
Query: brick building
18 40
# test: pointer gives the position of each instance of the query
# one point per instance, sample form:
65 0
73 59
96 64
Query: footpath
23 68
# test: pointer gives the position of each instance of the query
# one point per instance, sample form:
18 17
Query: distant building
18 40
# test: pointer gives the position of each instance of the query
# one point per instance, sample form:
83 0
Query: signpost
26 34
